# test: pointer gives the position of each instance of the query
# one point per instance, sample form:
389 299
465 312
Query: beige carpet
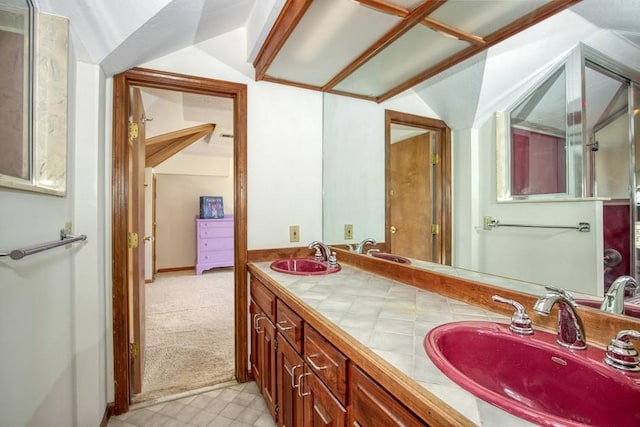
189 332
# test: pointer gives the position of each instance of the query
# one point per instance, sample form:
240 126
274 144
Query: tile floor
237 405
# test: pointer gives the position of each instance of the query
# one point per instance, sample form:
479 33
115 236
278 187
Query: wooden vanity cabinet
306 380
371 405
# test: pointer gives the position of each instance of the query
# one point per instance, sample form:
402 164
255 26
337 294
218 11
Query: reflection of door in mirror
417 182
608 165
409 189
14 91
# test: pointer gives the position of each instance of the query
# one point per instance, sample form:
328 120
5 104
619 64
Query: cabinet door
289 371
256 337
372 406
268 355
321 408
263 355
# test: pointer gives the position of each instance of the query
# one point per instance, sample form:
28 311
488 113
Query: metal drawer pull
283 328
300 385
256 322
293 374
313 365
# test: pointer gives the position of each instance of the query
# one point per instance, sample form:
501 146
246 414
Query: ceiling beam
393 9
161 147
288 19
496 37
408 22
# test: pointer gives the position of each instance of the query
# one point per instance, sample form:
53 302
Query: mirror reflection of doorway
418 176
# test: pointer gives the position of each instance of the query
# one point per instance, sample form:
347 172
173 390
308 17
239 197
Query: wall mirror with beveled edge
33 114
473 263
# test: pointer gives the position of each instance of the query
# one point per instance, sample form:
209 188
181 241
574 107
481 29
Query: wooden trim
171 269
442 183
515 27
258 255
408 22
108 413
169 136
120 264
290 15
270 79
120 186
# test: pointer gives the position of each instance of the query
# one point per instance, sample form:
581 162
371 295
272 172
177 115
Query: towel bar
65 239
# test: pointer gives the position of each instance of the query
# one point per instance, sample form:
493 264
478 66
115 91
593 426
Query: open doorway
126 284
187 316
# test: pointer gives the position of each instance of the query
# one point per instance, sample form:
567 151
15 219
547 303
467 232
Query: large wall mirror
33 94
591 144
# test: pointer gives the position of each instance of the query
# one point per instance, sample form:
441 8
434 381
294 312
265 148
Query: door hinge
276 410
435 229
134 350
435 159
133 131
275 344
132 240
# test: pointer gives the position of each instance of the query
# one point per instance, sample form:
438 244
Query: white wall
284 151
52 304
177 206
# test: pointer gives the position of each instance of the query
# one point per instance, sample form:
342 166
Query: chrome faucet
322 251
360 246
570 329
614 298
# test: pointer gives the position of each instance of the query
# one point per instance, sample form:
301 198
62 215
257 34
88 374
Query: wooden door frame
120 186
441 182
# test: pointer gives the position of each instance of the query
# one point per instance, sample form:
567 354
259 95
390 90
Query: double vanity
377 341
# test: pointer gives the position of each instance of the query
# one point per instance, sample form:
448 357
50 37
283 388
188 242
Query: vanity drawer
265 299
327 362
289 324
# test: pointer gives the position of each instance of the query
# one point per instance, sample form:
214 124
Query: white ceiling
120 34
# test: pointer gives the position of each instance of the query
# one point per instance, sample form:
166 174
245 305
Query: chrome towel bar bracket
65 239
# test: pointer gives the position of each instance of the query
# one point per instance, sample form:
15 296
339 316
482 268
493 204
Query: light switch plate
348 231
294 233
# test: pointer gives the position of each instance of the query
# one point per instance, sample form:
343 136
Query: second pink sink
302 266
630 309
391 257
534 378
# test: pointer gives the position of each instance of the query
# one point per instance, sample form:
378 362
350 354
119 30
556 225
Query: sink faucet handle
620 352
561 291
333 261
520 321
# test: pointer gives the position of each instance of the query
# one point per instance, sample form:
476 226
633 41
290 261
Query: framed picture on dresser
211 207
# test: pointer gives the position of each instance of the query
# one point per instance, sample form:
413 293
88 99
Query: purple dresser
214 239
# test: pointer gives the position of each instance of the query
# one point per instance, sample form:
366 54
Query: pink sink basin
391 257
534 378
632 310
302 266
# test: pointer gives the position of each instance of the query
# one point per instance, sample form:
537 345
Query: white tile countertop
392 319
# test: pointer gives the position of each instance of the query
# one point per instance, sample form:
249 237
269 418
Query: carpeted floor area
189 332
